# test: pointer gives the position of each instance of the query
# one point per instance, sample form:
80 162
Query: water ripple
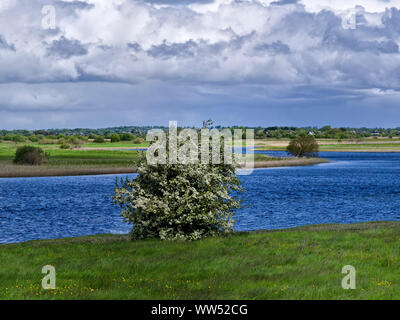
355 187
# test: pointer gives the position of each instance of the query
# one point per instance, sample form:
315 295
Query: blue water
354 187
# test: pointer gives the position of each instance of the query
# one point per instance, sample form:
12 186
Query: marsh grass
300 263
8 170
289 162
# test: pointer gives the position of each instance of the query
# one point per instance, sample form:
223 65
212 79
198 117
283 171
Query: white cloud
196 43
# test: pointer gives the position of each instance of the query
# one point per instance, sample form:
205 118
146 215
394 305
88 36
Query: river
354 187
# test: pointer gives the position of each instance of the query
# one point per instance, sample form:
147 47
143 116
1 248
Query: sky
102 63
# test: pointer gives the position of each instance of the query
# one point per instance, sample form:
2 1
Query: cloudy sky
100 63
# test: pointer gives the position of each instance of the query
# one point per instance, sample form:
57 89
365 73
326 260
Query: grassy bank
83 161
301 263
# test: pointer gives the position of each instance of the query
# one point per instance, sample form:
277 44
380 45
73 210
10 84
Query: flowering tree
179 201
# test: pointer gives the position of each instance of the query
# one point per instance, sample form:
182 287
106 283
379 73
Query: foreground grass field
301 263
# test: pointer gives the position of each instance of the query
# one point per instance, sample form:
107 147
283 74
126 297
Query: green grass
302 263
75 157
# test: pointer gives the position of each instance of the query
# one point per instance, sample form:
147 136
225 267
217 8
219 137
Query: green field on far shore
300 263
79 156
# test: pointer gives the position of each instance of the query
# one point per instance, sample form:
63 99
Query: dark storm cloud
66 48
80 5
284 2
5 45
179 2
173 50
276 47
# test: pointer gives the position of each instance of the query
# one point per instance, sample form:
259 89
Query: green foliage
19 138
303 146
30 155
75 141
62 141
34 138
65 146
47 141
179 202
99 139
138 141
8 137
130 132
126 136
115 137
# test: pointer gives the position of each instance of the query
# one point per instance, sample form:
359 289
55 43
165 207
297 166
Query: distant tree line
130 133
74 137
326 132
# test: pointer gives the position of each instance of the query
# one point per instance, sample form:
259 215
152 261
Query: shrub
179 201
30 155
99 139
75 141
65 146
47 141
19 138
303 146
126 136
115 137
8 137
34 138
138 141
